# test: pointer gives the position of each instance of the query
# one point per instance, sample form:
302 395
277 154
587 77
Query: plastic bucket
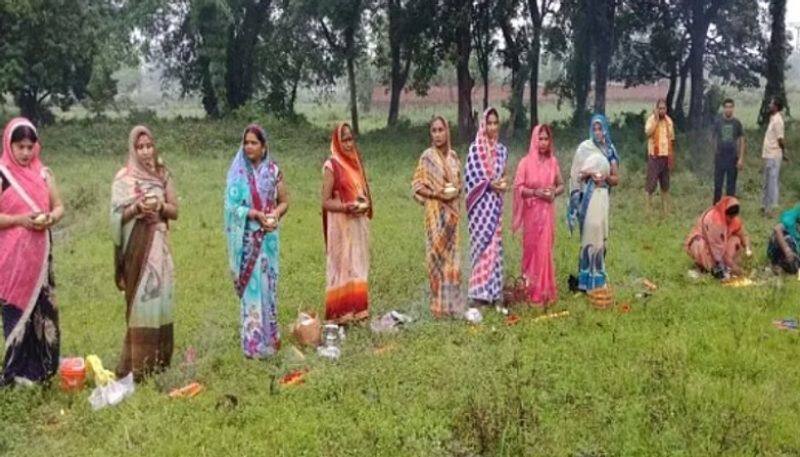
72 372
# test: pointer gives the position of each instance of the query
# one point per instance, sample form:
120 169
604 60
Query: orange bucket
72 372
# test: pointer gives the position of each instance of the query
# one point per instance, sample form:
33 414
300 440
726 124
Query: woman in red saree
537 183
346 210
718 238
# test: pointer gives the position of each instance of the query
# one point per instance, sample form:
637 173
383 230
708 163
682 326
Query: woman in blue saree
595 169
255 201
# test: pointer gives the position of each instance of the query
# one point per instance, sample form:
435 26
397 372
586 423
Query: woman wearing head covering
437 186
486 186
783 249
536 185
595 169
716 241
346 210
29 205
255 201
143 201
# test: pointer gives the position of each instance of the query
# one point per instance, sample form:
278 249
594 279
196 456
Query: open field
694 370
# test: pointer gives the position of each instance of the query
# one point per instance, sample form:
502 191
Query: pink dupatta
23 252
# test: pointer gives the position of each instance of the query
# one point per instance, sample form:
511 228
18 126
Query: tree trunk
517 121
701 20
581 63
397 77
533 81
293 94
600 83
209 99
466 123
483 68
776 59
485 76
673 82
31 108
603 19
396 85
680 98
351 80
241 52
697 79
513 60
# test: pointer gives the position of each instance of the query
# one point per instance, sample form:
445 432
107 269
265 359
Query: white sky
793 17
792 11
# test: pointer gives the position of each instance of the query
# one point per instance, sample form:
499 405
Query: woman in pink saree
538 182
30 204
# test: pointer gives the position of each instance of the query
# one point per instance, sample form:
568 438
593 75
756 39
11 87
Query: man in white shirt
773 152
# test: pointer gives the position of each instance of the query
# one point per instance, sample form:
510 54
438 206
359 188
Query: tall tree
484 42
569 40
581 62
413 49
456 22
777 53
514 54
52 50
602 23
703 13
538 10
341 25
294 59
653 46
656 41
249 25
209 46
232 52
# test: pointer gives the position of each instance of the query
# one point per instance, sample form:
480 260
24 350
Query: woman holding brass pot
143 201
486 187
346 210
437 186
29 205
255 201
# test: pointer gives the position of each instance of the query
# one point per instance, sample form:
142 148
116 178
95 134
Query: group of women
536 184
144 202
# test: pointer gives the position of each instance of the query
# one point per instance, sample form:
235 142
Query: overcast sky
793 19
793 11
792 15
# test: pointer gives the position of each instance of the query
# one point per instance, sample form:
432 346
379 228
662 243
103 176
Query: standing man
773 152
660 154
730 148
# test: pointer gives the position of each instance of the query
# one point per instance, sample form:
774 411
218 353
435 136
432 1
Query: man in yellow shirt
773 152
660 154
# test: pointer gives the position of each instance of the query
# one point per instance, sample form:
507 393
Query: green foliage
50 49
411 31
232 52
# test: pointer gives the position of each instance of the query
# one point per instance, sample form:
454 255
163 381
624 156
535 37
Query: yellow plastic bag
95 370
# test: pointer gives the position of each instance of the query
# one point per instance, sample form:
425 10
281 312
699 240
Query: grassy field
695 370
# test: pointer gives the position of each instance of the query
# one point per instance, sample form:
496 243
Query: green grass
694 370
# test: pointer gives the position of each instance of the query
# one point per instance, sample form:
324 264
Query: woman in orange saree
346 210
